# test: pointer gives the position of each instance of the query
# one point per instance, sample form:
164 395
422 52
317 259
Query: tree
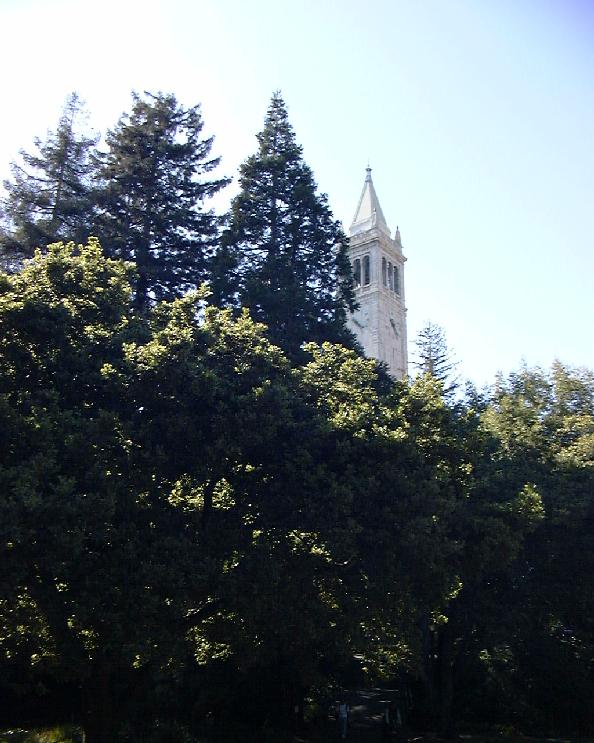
434 357
152 199
180 503
545 424
153 465
90 563
283 255
48 197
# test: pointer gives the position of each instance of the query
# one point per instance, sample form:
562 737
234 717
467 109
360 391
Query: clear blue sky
477 117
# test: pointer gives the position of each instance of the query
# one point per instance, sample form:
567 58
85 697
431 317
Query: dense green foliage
432 356
154 185
283 255
200 514
184 509
146 194
49 195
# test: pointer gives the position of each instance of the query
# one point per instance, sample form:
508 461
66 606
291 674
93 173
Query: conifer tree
283 254
433 356
48 197
153 193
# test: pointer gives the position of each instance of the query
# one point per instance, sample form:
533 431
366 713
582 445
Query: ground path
367 707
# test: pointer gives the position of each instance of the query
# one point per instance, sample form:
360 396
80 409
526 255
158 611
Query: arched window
357 271
390 284
384 278
396 280
366 270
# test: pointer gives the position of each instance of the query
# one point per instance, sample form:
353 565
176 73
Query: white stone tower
378 268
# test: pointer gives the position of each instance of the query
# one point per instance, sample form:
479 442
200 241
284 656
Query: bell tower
378 269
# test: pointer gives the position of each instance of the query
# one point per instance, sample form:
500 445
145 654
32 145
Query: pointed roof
369 212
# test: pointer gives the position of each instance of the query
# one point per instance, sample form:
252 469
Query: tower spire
369 212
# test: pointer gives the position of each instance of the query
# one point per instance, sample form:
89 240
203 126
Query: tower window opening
390 284
357 271
396 280
366 270
384 279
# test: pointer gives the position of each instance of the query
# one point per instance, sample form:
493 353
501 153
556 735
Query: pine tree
433 356
283 254
48 198
152 198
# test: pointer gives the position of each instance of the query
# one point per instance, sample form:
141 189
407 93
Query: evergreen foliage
152 200
544 425
49 197
193 523
283 255
433 357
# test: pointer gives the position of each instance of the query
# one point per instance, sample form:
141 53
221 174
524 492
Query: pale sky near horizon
477 118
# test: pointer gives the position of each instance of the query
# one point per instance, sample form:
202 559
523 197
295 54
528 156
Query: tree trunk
446 697
428 663
99 716
437 674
